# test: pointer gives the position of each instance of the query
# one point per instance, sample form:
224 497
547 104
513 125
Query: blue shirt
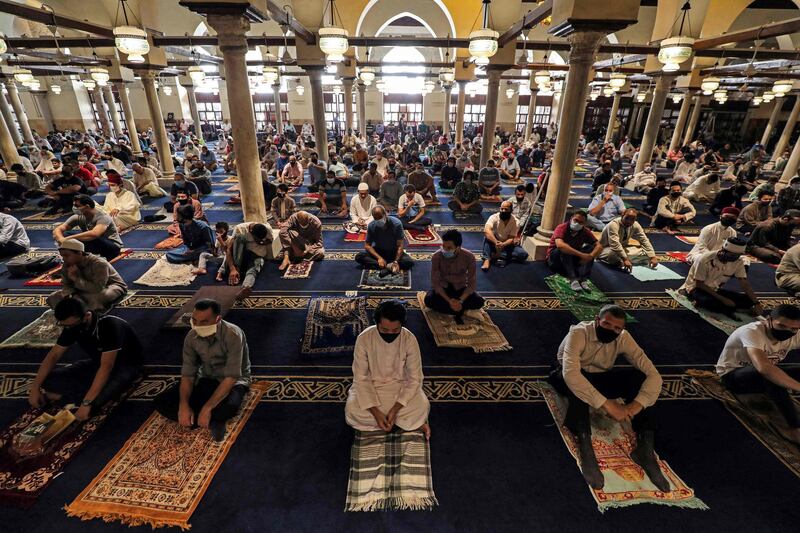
384 239
611 209
280 163
197 234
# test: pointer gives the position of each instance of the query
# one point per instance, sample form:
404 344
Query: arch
410 55
439 4
418 19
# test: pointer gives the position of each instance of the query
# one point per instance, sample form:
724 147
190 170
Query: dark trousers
103 247
510 253
366 260
765 254
569 266
453 205
747 380
620 382
419 225
706 301
437 303
73 381
168 402
11 249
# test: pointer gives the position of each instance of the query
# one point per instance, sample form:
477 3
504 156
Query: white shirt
753 335
502 231
700 188
261 250
362 210
383 165
713 272
417 201
710 240
510 167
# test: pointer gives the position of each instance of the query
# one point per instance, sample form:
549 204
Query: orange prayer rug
52 278
625 482
173 241
162 472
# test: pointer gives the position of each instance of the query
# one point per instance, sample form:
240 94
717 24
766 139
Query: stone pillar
773 121
44 106
318 108
347 84
362 109
112 110
157 118
198 130
22 117
276 97
639 118
632 120
460 107
786 135
490 118
232 37
576 89
611 117
8 116
8 147
448 96
792 165
100 105
680 124
693 120
653 121
531 112
130 122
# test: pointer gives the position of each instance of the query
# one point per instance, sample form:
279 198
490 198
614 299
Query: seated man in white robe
387 376
361 206
121 205
713 236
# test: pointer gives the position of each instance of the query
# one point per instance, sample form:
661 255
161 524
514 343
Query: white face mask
204 331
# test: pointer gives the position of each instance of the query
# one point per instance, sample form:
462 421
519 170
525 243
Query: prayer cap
734 246
731 211
363 187
71 244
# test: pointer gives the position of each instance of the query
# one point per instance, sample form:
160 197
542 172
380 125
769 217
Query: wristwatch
87 403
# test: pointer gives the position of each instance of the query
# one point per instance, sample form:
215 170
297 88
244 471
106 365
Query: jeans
168 402
246 261
366 260
510 253
569 266
437 303
595 223
183 254
748 380
103 247
11 249
73 381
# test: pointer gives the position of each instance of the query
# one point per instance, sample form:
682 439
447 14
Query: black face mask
782 334
727 222
388 337
605 335
505 215
184 201
675 194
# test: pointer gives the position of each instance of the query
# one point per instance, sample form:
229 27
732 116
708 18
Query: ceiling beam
531 19
47 17
613 62
53 58
765 31
53 64
285 19
49 42
758 65
201 58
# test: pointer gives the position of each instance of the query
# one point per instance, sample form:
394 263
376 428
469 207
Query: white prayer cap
734 246
363 187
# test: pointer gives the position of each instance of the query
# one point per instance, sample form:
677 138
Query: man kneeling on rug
387 376
453 279
247 251
585 374
114 364
215 375
383 248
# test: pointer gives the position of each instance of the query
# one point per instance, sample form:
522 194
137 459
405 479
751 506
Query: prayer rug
333 323
298 270
718 320
478 332
584 305
52 278
683 257
41 333
371 279
756 413
310 198
230 179
661 272
691 241
429 237
625 482
165 274
42 217
494 199
173 241
233 188
161 473
224 294
390 472
361 236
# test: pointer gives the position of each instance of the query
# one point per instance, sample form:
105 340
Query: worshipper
509 168
521 204
181 200
387 376
453 279
750 362
62 191
615 240
333 196
572 251
643 181
114 364
181 184
113 163
605 207
729 197
208 158
771 238
292 173
12 195
301 239
587 376
215 373
341 173
711 271
489 179
98 231
201 177
282 206
146 181
654 195
714 235
755 213
361 207
703 189
30 180
500 239
466 195
602 175
787 276
13 237
673 210
88 173
373 179
411 210
423 184
87 277
684 169
217 254
789 197
391 191
247 250
770 185
383 247
197 237
451 175
316 172
121 205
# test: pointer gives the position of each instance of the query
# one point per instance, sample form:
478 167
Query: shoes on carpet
575 285
217 431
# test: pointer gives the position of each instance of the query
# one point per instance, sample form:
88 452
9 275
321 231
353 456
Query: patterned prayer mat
298 270
493 199
22 481
166 274
756 413
371 279
233 188
390 472
41 333
224 294
173 241
333 323
429 237
230 179
52 278
361 236
161 473
478 331
310 198
625 482
42 217
582 304
718 320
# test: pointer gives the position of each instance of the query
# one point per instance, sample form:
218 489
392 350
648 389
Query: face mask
675 194
281 195
781 334
605 335
765 202
314 159
727 222
389 337
183 201
795 186
330 180
204 331
505 215
76 211
381 222
575 226
448 254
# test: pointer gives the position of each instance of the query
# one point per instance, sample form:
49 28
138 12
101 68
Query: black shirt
63 182
105 334
655 194
450 176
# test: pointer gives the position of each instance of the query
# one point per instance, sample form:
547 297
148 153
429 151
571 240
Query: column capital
584 44
231 31
348 82
361 87
148 75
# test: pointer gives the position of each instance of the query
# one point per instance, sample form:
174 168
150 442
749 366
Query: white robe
710 240
383 374
359 212
128 208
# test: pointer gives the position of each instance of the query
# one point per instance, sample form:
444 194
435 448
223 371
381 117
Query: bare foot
244 293
199 271
426 429
219 278
284 263
485 266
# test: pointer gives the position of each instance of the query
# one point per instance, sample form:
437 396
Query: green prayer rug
583 304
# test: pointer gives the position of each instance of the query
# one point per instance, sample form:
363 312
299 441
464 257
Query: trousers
168 402
748 380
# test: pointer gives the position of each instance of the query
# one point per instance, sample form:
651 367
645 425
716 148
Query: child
217 255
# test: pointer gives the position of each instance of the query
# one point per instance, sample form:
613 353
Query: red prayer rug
173 241
429 237
361 236
52 278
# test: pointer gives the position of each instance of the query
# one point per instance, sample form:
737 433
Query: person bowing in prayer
215 374
301 239
615 240
387 376
587 376
453 279
246 252
714 235
383 248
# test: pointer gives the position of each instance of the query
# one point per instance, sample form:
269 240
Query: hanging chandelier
130 40
510 92
640 97
676 50
541 77
608 91
34 85
768 96
3 44
781 87
167 90
676 98
337 90
429 86
333 39
593 95
270 74
757 100
196 73
472 91
89 84
483 42
617 81
366 75
56 89
100 75
720 94
447 74
709 85
22 75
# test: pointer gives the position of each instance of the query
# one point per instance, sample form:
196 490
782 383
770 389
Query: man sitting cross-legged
383 248
98 232
466 196
361 207
197 236
587 376
387 376
215 374
246 252
500 239
333 196
411 210
572 251
301 239
453 279
750 360
114 364
615 240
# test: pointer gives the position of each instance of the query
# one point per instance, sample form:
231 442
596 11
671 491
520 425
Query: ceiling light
593 96
510 92
89 84
709 85
640 97
617 81
333 39
757 100
781 87
300 89
768 96
56 89
22 75
366 75
607 91
270 74
167 90
447 74
676 98
196 73
100 75
541 77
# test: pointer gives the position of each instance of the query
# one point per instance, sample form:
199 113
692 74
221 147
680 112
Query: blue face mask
381 222
448 254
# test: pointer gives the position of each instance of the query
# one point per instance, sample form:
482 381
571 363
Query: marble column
461 105
773 121
8 116
490 118
786 135
157 118
22 117
611 116
130 121
660 94
102 112
116 125
347 84
232 38
276 98
448 96
362 109
693 119
790 170
190 95
680 124
44 107
318 109
576 89
531 112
